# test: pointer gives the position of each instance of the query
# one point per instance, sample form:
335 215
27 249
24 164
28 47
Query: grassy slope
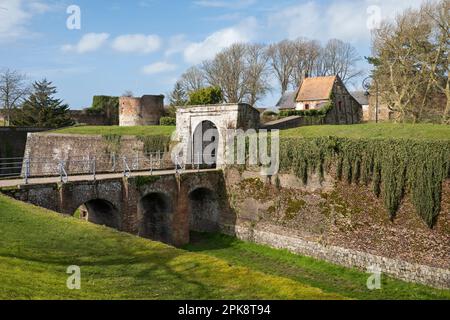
372 130
121 131
328 277
37 246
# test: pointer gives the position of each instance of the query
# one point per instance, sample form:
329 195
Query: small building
319 92
363 98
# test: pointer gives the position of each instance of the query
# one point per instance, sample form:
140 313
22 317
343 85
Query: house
287 101
363 98
319 92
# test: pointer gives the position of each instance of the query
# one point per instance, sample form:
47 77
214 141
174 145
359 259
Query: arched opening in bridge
155 212
204 211
100 212
205 144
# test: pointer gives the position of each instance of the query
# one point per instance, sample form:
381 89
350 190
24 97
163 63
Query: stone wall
47 149
154 207
12 145
410 272
144 111
340 223
91 119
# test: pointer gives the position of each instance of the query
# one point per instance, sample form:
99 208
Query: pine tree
42 110
178 97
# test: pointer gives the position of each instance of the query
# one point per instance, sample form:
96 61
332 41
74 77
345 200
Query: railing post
27 169
62 172
126 168
137 160
94 168
114 161
151 163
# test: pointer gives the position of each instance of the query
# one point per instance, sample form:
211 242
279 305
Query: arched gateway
203 129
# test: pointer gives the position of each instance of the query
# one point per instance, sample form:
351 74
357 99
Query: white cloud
177 43
236 4
158 67
343 19
15 15
88 43
137 43
219 40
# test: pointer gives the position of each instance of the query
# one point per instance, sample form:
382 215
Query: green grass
328 277
37 246
116 130
371 130
374 131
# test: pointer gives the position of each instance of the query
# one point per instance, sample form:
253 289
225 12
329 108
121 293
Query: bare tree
192 80
228 72
258 73
307 53
339 58
438 61
282 59
412 62
13 90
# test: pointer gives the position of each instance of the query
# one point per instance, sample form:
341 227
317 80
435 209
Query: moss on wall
394 167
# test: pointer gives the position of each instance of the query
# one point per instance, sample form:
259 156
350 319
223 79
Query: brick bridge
163 208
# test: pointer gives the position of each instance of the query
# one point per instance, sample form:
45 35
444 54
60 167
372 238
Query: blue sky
145 45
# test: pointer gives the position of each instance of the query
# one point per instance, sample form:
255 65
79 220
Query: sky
107 47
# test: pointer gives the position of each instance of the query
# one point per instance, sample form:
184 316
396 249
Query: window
306 106
340 105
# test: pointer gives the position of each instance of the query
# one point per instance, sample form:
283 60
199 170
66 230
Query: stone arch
204 210
155 211
205 143
101 212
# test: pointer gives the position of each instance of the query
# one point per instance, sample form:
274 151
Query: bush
168 121
308 113
204 96
107 106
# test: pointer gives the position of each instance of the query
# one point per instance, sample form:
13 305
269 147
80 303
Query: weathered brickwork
340 223
144 111
154 207
436 277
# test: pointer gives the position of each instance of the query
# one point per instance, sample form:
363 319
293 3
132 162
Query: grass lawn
116 130
371 130
330 278
37 246
374 131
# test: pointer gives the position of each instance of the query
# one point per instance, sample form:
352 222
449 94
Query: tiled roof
361 97
316 89
287 101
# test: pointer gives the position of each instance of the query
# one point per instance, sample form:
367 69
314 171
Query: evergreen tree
42 110
178 97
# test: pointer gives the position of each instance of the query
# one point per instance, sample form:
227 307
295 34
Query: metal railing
28 167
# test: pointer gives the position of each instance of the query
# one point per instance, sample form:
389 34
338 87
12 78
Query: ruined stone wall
340 223
47 149
144 111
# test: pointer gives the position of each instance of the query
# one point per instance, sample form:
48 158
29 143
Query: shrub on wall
105 105
394 167
168 121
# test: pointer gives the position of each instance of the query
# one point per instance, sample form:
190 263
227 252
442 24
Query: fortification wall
144 111
340 223
46 150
